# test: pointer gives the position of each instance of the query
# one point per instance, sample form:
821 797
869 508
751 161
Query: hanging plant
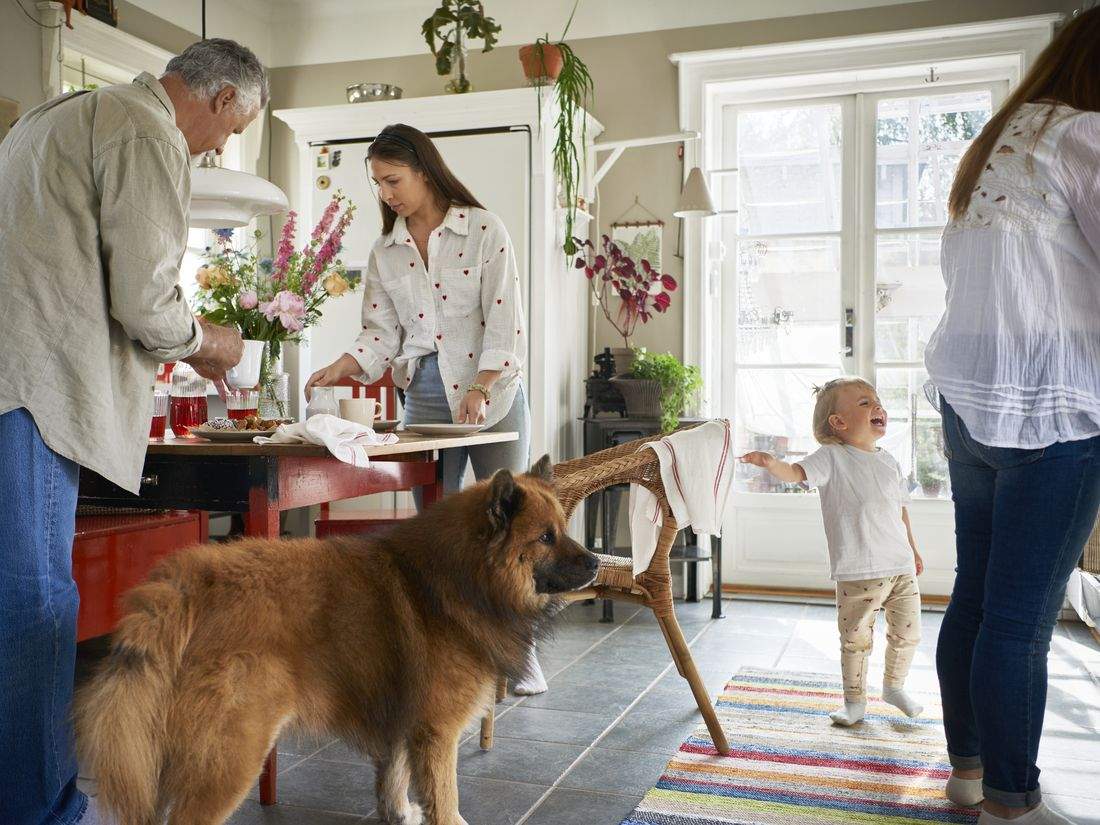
547 63
446 33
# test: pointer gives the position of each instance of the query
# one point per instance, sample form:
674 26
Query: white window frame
868 64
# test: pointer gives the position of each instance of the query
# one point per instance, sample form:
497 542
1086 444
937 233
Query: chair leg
681 654
487 729
502 689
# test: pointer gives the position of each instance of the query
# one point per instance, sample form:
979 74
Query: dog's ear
504 499
543 470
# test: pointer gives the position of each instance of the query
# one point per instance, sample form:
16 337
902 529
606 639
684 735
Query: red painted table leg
262 521
434 492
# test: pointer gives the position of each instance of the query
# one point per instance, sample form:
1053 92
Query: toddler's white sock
901 700
850 714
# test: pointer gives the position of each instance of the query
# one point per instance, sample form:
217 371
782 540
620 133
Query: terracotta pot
541 61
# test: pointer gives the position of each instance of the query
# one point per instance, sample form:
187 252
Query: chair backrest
383 390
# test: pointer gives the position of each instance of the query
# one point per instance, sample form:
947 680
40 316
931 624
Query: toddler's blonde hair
825 406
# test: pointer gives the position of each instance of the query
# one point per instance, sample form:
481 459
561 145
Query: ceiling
297 32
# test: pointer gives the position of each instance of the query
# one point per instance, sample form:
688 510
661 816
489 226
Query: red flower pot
541 61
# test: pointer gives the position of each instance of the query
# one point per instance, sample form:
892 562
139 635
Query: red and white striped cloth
697 468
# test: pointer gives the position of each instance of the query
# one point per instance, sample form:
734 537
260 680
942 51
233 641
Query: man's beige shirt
94 195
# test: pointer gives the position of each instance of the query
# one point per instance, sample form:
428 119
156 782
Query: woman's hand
343 367
472 408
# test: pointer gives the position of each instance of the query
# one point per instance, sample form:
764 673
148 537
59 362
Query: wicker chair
582 477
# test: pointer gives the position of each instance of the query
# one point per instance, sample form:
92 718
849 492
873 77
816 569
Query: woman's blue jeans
38 604
1021 521
426 403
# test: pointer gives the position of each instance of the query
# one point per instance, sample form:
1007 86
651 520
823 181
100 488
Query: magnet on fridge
335 158
322 158
323 182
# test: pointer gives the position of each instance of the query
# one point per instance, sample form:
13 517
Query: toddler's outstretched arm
791 473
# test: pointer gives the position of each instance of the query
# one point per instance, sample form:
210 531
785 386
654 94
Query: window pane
788 300
919 142
774 412
919 448
909 294
789 169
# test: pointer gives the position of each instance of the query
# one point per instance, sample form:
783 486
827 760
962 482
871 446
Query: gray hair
208 66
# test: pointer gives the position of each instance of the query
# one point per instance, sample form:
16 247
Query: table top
407 443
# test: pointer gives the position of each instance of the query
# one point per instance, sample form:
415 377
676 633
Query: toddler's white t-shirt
862 494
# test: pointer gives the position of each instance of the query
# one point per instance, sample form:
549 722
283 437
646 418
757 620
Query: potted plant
659 385
544 63
452 24
640 289
930 477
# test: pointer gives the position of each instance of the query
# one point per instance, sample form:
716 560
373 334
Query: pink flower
329 249
286 247
326 219
289 308
248 300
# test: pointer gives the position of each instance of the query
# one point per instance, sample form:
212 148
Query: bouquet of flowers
640 288
273 300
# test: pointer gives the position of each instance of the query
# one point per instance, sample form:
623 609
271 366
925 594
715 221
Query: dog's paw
408 814
414 816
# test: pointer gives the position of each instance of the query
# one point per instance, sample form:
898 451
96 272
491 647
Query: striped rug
790 764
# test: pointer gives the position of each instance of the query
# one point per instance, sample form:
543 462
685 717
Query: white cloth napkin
346 440
697 468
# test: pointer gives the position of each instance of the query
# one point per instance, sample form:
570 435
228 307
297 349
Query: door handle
849 331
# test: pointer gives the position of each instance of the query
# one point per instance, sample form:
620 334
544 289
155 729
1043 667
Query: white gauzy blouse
465 305
1017 352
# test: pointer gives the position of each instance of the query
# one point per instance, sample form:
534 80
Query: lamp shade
695 199
224 198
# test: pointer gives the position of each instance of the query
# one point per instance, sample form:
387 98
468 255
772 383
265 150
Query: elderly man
94 196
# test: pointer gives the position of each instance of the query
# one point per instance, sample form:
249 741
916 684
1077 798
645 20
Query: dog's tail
120 714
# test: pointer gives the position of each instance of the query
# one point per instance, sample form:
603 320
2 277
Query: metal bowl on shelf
367 92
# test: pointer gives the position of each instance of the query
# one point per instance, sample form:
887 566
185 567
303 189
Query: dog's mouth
565 576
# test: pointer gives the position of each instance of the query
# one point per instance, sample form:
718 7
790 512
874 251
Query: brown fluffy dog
389 643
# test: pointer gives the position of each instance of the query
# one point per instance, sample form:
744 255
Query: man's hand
222 348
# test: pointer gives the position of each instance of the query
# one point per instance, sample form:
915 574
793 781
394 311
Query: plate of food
386 425
444 429
236 430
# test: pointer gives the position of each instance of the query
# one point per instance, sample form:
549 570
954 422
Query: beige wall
636 95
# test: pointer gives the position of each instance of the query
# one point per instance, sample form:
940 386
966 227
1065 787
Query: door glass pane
789 169
917 447
919 143
774 412
788 300
909 294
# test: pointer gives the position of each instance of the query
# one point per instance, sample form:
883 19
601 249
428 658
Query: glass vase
274 383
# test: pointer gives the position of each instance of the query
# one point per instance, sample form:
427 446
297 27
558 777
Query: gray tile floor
586 751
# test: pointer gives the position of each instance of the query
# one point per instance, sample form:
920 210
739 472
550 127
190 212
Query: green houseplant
678 384
446 33
546 63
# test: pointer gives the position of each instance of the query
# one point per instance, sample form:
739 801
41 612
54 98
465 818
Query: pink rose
289 308
248 300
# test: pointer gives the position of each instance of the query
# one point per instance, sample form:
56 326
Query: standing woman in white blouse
1016 361
442 309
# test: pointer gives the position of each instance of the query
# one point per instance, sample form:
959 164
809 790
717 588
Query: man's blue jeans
1021 521
38 604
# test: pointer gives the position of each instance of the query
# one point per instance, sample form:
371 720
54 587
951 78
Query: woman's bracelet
481 388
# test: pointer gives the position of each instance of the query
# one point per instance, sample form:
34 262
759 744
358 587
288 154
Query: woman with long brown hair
442 310
1016 362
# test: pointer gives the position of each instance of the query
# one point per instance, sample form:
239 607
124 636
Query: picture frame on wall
641 240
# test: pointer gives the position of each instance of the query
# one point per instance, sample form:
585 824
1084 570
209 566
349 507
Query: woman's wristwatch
481 388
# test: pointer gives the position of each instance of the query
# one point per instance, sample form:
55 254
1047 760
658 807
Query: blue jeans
38 604
1021 521
426 403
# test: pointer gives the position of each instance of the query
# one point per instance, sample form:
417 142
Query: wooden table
261 480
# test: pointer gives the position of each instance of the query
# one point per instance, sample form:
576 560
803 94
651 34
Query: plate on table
232 436
444 429
387 425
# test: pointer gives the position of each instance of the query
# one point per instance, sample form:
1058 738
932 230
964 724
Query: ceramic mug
361 410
